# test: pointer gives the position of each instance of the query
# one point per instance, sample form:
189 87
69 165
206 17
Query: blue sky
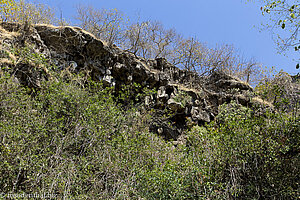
211 21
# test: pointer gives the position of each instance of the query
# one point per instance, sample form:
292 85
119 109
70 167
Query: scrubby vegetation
72 139
71 136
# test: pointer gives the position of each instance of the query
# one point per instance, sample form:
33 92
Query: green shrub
21 12
76 141
242 155
72 138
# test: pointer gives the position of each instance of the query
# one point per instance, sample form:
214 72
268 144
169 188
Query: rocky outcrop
183 95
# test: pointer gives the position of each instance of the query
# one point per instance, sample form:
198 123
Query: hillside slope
185 96
77 119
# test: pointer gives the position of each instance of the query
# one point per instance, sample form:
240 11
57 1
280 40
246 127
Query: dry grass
7 34
6 61
262 102
183 88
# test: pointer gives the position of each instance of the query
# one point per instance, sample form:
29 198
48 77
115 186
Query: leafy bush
70 137
50 140
74 140
32 13
282 91
245 156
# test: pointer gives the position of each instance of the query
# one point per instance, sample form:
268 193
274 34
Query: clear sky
211 21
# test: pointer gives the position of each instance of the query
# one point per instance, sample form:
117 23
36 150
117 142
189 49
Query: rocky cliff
187 97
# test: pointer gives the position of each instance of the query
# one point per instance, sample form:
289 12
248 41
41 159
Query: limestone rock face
182 94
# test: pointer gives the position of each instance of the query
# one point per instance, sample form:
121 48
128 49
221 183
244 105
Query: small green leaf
283 25
297 66
293 15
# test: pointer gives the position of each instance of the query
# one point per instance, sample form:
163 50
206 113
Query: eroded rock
184 96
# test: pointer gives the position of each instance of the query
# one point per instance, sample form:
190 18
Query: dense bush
76 141
69 137
283 90
71 140
64 140
246 155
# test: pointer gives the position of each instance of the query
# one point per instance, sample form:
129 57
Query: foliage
27 55
51 139
182 97
77 143
7 8
284 23
281 90
73 140
245 156
286 15
32 13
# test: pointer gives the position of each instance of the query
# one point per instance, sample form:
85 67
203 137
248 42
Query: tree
229 60
107 25
250 71
150 39
190 54
285 18
35 13
137 39
282 90
21 12
161 39
7 9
